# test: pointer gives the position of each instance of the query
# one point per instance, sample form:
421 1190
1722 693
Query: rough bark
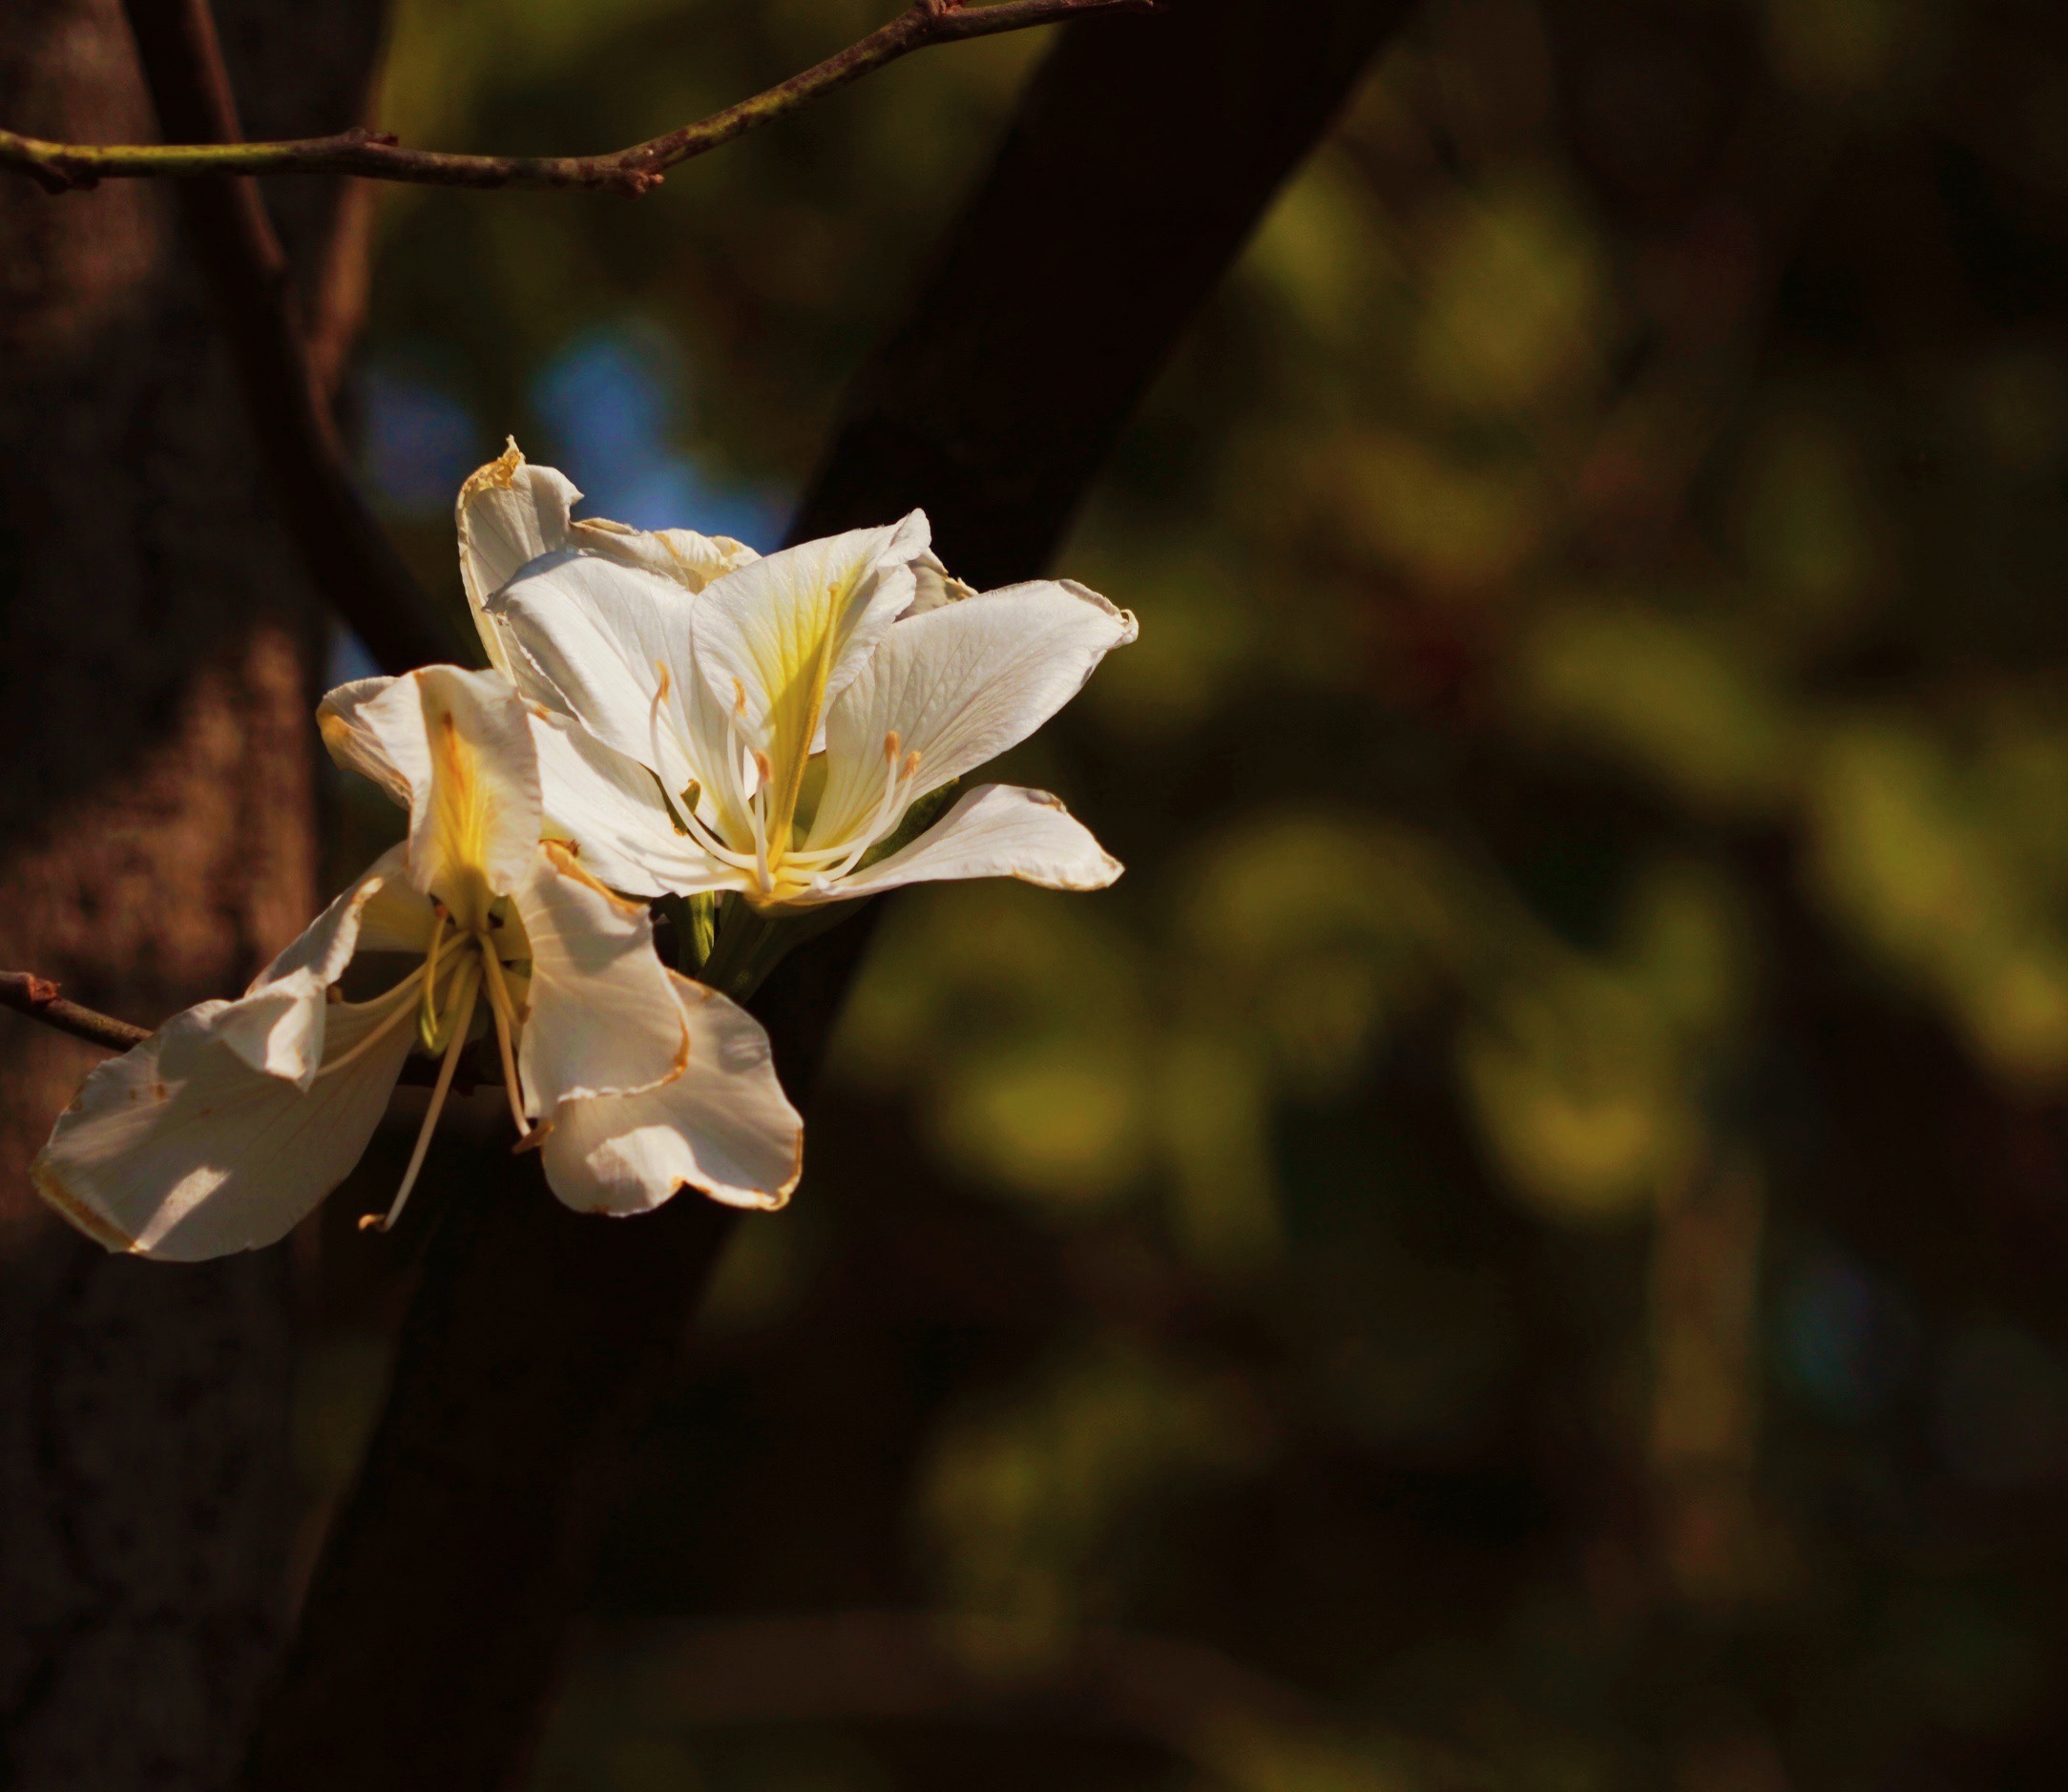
1141 159
157 844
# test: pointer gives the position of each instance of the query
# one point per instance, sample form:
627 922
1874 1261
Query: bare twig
348 554
38 997
375 156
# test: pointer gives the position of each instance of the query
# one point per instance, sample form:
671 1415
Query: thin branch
375 156
349 557
38 997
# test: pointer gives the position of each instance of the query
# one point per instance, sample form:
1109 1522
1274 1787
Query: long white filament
684 814
770 857
459 1013
897 780
404 1009
503 1010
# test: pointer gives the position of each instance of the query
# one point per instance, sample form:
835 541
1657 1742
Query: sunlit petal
682 554
723 1126
510 513
279 1025
179 1148
783 638
340 720
603 1020
462 743
997 830
599 634
610 808
956 686
933 584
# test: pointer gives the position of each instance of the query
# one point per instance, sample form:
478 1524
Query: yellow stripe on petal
462 742
777 640
462 821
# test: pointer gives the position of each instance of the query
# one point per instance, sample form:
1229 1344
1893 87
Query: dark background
1520 1245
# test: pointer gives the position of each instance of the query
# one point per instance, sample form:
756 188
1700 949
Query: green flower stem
752 941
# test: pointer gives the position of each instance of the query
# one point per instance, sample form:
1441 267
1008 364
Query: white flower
226 1126
510 514
763 728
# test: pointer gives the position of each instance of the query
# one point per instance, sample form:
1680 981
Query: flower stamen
461 1010
683 814
503 1011
428 1023
403 1011
757 814
897 780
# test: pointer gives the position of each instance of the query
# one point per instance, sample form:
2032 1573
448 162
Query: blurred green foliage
1526 1232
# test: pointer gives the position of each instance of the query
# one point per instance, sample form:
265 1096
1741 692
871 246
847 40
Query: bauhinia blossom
765 725
228 1125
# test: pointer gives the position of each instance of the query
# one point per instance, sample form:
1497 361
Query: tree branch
60 167
38 997
354 565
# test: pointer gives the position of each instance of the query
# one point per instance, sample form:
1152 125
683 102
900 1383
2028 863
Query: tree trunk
157 654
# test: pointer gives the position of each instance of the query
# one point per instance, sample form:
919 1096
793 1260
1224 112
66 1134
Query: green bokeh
1464 1269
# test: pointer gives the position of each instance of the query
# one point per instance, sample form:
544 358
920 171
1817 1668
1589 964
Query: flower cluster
667 715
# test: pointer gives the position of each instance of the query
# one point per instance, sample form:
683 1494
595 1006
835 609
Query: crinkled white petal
787 634
598 635
509 513
602 1018
278 1025
682 554
997 830
609 808
958 685
462 743
934 585
352 743
723 1126
179 1148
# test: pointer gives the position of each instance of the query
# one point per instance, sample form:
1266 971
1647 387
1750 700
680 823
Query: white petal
609 808
723 1126
462 743
602 1019
340 719
598 635
682 554
179 1148
398 917
789 633
997 830
278 1025
509 513
934 585
958 685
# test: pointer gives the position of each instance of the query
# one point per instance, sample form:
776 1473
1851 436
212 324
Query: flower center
491 958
